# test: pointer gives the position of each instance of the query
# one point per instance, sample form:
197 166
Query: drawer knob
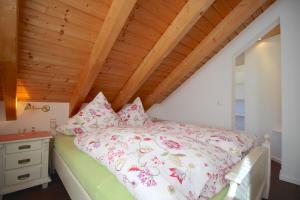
24 161
26 146
23 177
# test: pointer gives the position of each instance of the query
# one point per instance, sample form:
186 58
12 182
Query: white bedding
167 160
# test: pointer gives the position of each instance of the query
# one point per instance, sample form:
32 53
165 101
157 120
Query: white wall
38 119
206 98
290 48
263 91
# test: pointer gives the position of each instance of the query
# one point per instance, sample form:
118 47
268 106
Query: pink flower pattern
97 114
176 173
78 131
163 161
171 144
146 178
134 114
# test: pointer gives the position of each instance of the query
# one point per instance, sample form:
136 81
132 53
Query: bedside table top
24 136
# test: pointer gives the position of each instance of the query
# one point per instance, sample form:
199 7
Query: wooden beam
183 22
215 38
9 16
271 33
116 18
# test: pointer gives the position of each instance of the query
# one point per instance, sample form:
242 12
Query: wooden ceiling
69 50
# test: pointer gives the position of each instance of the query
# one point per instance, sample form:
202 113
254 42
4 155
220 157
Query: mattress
97 181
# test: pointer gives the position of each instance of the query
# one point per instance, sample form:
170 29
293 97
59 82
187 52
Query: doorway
257 90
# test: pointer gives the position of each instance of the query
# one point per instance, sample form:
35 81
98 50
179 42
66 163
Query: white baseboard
289 179
276 159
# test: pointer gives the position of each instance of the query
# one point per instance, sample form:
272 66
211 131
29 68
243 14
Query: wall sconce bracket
44 108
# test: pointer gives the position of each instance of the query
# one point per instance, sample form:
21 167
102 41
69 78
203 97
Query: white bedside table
23 161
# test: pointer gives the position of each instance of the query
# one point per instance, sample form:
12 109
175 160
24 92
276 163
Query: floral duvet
167 160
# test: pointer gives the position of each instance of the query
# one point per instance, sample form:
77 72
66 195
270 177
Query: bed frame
249 179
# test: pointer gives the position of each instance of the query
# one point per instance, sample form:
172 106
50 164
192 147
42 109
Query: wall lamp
44 108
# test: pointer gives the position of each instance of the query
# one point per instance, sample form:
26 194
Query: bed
97 185
249 179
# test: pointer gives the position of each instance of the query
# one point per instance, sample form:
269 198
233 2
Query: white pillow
134 114
97 114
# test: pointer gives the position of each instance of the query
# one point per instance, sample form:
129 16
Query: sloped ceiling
56 37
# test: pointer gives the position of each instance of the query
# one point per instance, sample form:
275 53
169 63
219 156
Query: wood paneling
138 37
56 39
186 46
185 19
112 26
9 19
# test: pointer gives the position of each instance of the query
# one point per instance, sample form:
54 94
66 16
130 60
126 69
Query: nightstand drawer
24 160
23 146
22 175
13 161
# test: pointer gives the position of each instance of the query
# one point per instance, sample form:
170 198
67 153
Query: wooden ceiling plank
94 8
56 47
49 66
182 50
167 6
143 15
126 52
143 30
123 57
110 30
9 55
189 41
218 35
129 49
48 69
182 23
213 16
233 3
132 35
222 7
61 26
54 37
43 85
47 58
204 26
55 50
56 9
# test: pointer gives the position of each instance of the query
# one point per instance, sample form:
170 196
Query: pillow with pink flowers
97 114
134 114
